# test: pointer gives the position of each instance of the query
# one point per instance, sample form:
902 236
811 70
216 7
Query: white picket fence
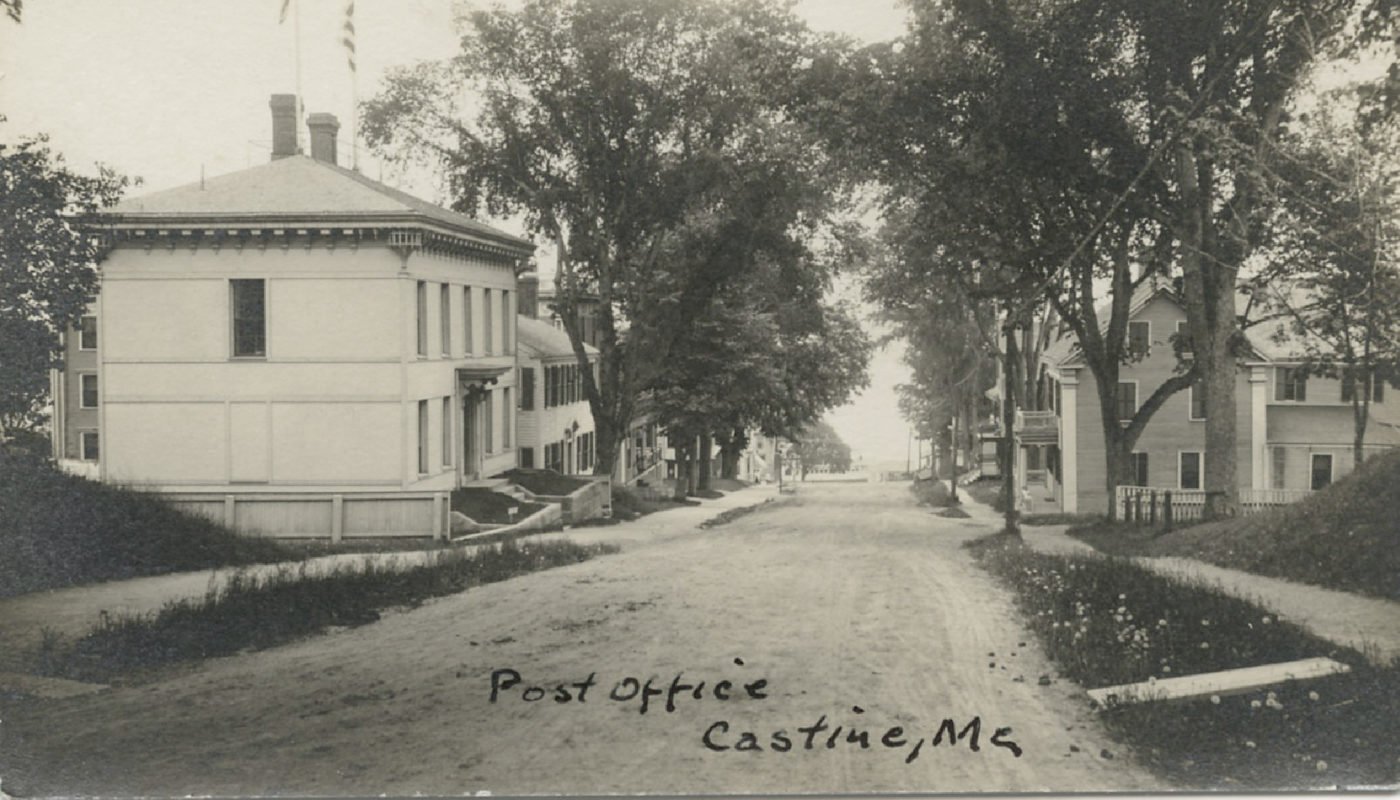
1136 502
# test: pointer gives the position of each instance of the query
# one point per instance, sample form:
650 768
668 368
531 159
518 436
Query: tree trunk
682 482
1117 458
1008 421
707 446
692 471
608 445
1360 414
1222 489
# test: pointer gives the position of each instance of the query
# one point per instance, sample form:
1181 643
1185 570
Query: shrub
933 493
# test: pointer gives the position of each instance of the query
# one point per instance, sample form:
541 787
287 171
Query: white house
555 421
298 350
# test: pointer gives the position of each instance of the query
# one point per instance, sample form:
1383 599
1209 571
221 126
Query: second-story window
422 318
445 318
87 333
527 389
88 390
1127 401
1291 384
1139 339
1198 401
248 298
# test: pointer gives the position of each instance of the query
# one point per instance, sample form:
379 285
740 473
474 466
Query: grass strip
1106 621
253 612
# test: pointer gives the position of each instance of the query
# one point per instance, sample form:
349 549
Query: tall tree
613 125
1332 270
48 268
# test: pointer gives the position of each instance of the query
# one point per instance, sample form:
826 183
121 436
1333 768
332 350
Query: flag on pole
347 33
282 17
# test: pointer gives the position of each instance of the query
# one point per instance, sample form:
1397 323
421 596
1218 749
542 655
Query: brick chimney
323 129
284 125
528 299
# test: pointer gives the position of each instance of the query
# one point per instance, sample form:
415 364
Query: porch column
1259 426
1069 433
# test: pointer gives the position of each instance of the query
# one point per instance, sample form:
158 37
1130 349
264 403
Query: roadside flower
1266 620
1313 696
1166 668
1205 622
1122 597
1255 704
1249 743
1215 699
1321 765
1162 622
1205 645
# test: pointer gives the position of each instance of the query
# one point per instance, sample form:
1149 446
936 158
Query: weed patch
251 612
1106 621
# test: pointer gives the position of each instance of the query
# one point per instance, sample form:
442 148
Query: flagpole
296 38
355 119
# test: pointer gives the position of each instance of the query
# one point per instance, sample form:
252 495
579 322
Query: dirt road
848 607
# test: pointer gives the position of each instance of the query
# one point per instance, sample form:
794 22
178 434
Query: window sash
1127 401
91 446
87 390
1139 338
1291 385
87 333
248 301
422 437
1198 401
1318 480
445 321
1139 467
422 318
527 389
447 432
1190 470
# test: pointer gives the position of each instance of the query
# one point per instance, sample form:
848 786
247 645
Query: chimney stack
323 128
284 125
528 298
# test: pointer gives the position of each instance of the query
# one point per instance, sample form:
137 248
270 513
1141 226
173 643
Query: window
1280 460
87 385
527 389
1183 336
249 301
489 411
1349 388
506 408
87 333
1198 401
507 343
91 447
467 317
1059 399
554 456
422 435
1321 470
1189 470
1138 462
527 458
447 431
422 318
1291 383
487 318
1139 339
445 321
1127 400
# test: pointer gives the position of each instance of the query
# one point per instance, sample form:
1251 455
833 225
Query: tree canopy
48 268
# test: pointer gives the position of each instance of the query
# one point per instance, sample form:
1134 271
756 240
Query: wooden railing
1153 505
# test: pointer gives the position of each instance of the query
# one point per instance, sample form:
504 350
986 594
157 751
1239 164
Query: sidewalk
1368 624
74 611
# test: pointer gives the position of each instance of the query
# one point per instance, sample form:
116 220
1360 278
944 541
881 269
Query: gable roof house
555 421
295 349
1294 432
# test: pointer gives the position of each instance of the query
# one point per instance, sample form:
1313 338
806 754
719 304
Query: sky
164 90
